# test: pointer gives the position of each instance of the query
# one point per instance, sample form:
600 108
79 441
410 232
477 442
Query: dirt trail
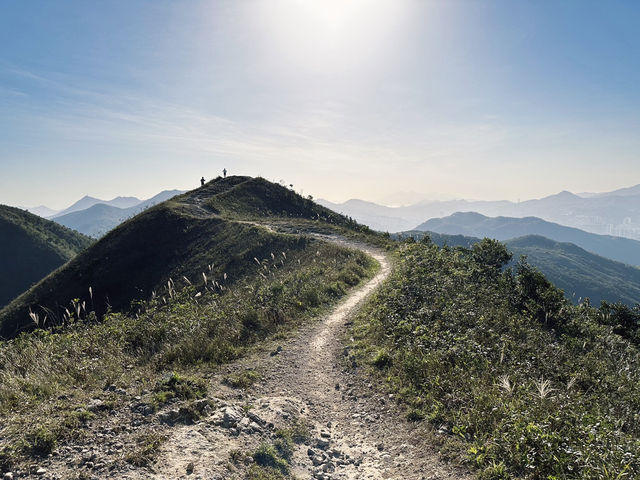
356 430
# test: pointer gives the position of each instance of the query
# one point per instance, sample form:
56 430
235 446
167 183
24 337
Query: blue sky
389 101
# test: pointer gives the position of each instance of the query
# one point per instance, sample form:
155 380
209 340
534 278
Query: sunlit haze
390 101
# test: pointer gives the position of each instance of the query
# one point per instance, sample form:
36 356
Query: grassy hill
30 248
578 273
175 292
514 381
473 224
208 230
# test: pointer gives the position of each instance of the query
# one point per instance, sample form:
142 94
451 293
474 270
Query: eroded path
357 432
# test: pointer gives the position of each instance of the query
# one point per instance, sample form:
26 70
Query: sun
333 15
328 35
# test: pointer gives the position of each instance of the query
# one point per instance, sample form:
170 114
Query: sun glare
332 35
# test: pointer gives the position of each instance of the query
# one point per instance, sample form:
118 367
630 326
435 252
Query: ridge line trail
357 432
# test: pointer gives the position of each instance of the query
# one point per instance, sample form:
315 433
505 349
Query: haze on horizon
342 98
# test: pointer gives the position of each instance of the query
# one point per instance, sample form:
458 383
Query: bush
527 385
269 455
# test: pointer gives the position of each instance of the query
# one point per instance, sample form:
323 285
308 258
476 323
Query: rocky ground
343 426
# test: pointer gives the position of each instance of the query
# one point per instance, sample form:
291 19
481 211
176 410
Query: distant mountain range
30 248
578 272
474 224
88 202
613 213
94 217
99 218
41 211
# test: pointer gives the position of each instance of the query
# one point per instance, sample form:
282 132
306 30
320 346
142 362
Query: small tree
490 255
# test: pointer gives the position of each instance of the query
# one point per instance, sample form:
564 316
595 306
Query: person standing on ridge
224 172
202 182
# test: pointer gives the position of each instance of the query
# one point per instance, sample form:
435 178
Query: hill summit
211 232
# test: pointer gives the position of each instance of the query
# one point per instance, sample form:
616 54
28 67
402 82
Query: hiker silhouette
202 182
224 172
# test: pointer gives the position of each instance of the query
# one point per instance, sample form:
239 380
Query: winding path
358 431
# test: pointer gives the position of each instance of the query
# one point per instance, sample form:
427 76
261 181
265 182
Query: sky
385 100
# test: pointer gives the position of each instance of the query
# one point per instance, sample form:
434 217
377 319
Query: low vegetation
165 348
579 273
515 380
273 459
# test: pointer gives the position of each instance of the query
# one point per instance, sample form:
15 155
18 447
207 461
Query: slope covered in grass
30 248
516 381
208 231
161 354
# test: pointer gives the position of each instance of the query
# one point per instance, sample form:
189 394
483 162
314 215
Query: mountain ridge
505 228
606 214
101 217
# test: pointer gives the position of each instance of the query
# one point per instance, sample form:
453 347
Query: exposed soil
356 430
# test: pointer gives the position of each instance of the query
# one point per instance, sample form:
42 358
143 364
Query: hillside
512 380
30 248
138 325
474 224
100 217
207 230
578 273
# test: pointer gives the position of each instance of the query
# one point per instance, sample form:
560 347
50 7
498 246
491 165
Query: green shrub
242 380
146 448
183 388
40 442
270 455
522 383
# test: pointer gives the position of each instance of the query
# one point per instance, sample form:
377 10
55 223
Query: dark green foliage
182 388
274 455
30 248
526 384
578 273
625 320
491 256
